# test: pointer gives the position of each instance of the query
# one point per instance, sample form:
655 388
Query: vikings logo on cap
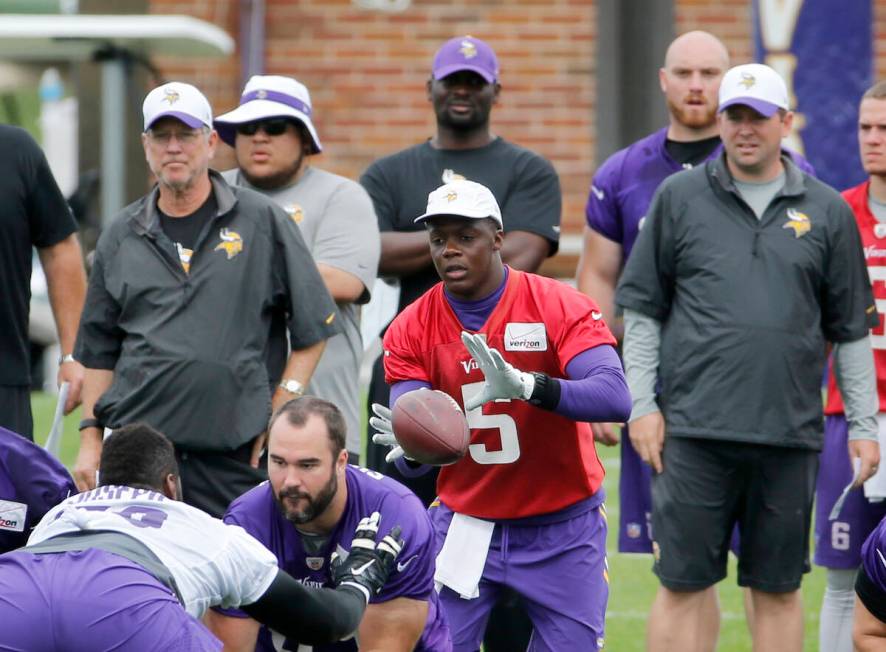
468 49
747 80
171 95
231 243
452 196
797 221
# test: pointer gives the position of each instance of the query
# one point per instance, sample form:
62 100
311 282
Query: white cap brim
476 215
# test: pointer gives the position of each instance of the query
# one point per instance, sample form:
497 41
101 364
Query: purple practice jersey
368 491
870 584
625 184
32 482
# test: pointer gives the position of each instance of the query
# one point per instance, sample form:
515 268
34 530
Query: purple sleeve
33 477
406 468
596 390
602 211
413 575
801 162
873 557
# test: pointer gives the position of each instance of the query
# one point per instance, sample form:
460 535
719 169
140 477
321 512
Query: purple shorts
558 568
635 500
838 542
91 601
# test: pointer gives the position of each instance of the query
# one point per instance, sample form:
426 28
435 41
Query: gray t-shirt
759 195
878 209
337 220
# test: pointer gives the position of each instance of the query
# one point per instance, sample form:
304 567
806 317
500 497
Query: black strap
546 393
310 615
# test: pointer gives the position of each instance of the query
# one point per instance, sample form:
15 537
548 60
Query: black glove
367 565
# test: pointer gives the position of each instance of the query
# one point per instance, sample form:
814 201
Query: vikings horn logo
296 213
171 95
452 196
797 221
747 80
468 49
231 243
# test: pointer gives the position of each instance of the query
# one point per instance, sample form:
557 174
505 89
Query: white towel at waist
875 486
463 556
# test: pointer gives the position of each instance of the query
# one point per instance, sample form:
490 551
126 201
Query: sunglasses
272 127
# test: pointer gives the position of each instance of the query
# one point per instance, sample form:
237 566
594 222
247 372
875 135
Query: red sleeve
576 323
403 359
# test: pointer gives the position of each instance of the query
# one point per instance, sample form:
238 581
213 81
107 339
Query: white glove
503 380
385 435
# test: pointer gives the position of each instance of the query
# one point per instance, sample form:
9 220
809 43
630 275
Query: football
430 427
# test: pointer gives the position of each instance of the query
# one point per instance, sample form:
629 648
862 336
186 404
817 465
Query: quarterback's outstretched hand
385 435
503 380
368 564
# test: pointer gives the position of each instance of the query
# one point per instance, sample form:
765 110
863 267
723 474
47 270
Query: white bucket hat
462 198
269 96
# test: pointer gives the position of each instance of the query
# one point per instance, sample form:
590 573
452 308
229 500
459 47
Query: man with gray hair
274 136
179 309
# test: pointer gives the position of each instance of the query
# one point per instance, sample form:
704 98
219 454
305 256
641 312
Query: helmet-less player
839 540
128 566
532 362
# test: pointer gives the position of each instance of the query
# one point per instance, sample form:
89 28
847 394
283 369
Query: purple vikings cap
466 53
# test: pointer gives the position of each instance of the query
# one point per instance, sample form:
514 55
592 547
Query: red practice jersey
522 460
873 239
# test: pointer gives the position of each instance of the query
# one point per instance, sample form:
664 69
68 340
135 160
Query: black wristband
546 393
89 423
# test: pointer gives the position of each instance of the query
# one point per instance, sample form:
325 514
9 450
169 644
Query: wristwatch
67 357
292 386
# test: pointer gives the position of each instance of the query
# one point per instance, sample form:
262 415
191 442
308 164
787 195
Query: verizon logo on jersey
526 337
12 515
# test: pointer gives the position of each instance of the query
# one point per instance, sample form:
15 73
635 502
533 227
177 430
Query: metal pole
113 135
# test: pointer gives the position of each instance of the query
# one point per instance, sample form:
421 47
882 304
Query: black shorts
706 488
212 479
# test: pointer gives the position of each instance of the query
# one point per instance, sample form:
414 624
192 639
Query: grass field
633 585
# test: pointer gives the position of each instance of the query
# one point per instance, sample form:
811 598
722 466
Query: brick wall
367 71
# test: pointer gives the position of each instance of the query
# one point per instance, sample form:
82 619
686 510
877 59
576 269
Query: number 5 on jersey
507 429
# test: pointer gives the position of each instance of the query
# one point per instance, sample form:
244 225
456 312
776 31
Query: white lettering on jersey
526 337
871 251
12 516
877 274
469 365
